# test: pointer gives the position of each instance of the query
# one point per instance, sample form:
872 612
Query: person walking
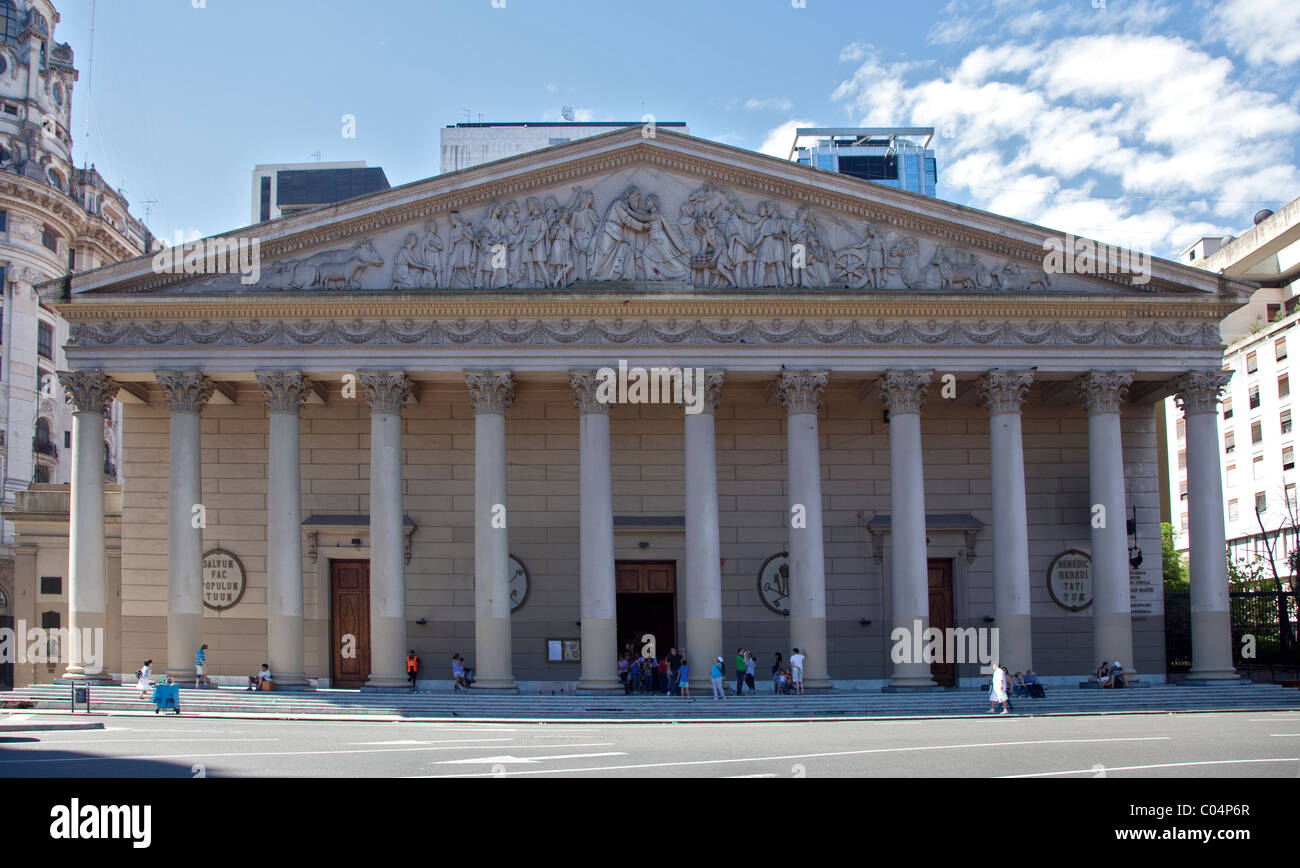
201 667
716 675
998 690
741 656
142 678
776 673
684 678
796 671
751 666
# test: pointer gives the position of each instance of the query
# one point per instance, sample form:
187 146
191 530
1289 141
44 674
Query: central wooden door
939 573
350 623
646 604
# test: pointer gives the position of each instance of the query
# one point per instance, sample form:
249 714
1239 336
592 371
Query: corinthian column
90 393
703 554
1003 393
904 395
186 393
387 392
285 393
1102 393
491 393
801 392
1198 394
596 539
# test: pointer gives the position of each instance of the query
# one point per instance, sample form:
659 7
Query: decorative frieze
801 391
1004 391
387 391
185 391
1200 391
89 391
904 391
1104 391
284 391
490 391
585 386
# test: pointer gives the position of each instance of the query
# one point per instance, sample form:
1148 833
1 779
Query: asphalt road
1247 744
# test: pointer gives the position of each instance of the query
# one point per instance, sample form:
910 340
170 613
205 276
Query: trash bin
167 696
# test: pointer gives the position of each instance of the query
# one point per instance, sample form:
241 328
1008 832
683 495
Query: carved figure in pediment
742 245
408 267
1014 277
461 261
906 251
514 244
773 244
560 261
809 263
484 259
327 270
666 258
622 235
532 254
431 254
960 269
584 221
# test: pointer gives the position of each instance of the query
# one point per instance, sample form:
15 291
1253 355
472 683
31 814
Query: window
52 585
1279 349
1181 427
1234 510
1256 433
4 221
1283 386
1227 407
1182 490
1290 496
1285 416
1182 460
1184 523
49 238
1230 442
1231 475
1254 397
1257 467
1252 364
41 474
1261 502
67 439
42 433
1288 457
1273 312
45 340
9 20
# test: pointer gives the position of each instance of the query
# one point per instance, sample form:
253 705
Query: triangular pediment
666 212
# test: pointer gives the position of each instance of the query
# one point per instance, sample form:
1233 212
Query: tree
1172 565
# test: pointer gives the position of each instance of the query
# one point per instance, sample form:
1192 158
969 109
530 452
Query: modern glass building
898 157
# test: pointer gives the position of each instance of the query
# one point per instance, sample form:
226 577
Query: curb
6 728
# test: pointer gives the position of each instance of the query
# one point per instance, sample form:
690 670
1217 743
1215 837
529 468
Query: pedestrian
998 690
776 673
142 678
624 668
1006 680
674 664
716 675
684 678
751 666
740 671
412 667
796 671
201 667
663 677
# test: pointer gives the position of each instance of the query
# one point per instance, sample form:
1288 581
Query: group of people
1111 675
1004 685
670 675
144 674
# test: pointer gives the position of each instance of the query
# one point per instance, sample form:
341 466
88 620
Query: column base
386 684
293 682
931 687
71 677
496 685
598 686
1213 677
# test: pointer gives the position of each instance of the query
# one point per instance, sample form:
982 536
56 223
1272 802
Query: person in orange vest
412 667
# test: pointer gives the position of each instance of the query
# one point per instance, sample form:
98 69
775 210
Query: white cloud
1263 31
771 104
550 88
779 139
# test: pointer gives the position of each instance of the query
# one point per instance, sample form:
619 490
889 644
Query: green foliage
1173 567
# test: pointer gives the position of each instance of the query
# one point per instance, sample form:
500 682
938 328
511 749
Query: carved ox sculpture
329 269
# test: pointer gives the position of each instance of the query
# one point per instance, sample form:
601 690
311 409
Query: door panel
939 575
350 616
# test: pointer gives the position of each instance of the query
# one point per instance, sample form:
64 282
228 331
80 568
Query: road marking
193 756
110 741
1093 770
500 760
1284 735
822 755
465 741
754 776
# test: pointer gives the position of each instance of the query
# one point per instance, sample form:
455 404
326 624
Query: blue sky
1137 122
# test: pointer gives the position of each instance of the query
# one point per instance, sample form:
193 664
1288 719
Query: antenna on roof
468 114
316 155
148 208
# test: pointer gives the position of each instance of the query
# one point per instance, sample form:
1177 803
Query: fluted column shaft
703 551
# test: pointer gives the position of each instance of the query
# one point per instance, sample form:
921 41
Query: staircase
835 704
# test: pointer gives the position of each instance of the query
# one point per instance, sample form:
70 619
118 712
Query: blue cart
167 696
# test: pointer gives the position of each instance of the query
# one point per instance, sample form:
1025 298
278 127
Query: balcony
44 447
110 471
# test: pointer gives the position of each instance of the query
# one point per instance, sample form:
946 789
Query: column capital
801 391
711 383
89 391
185 391
1200 391
904 391
284 391
490 391
586 392
387 391
1004 391
1103 391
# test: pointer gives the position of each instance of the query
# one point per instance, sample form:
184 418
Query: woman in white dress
998 691
142 678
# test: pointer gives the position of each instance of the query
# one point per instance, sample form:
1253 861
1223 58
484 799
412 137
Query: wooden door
350 617
645 577
939 573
